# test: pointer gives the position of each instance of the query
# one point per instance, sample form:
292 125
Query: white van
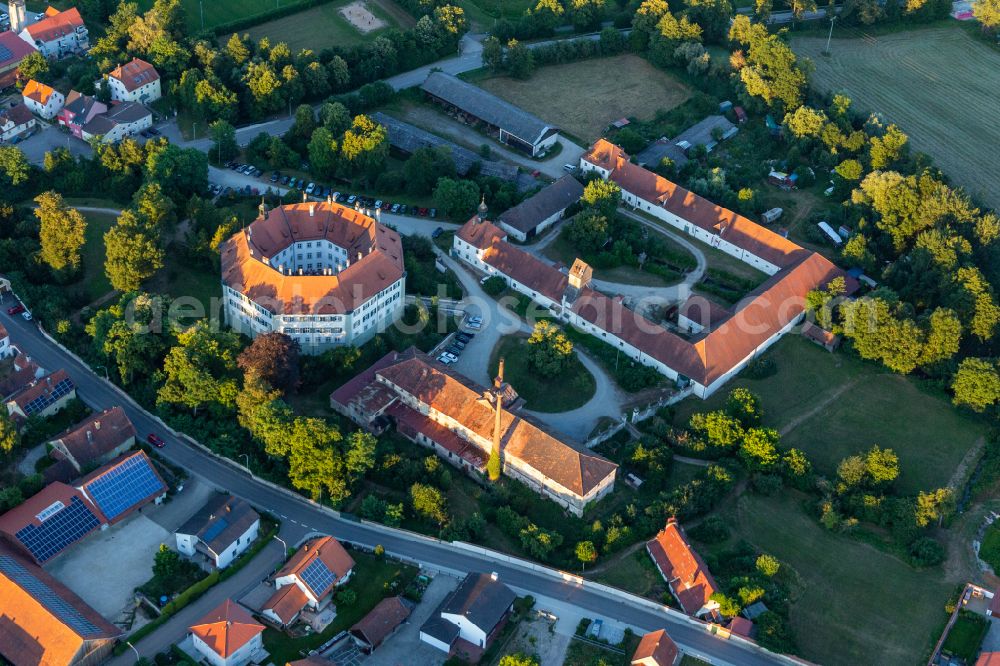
569 167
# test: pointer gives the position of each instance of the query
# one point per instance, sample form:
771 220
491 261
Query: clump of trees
549 350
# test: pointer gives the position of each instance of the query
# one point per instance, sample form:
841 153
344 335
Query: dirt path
615 559
968 462
823 404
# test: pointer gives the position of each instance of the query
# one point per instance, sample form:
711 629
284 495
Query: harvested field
583 99
939 85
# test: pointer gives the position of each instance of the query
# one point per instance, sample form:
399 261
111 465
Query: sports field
939 85
320 27
585 97
834 405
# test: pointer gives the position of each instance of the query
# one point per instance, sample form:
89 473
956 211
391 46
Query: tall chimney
304 197
312 210
17 13
497 395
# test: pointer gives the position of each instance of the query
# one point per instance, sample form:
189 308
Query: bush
711 530
761 368
767 484
495 286
989 551
926 552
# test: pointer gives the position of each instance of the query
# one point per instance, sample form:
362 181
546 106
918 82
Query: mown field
217 12
834 405
583 99
321 27
939 85
851 604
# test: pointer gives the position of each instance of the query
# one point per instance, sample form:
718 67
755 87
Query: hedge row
256 19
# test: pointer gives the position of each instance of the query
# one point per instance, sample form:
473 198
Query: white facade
121 130
467 629
148 92
10 129
74 40
430 640
5 348
188 543
237 658
50 108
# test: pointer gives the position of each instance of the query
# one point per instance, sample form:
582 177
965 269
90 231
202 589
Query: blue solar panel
5 53
318 577
45 595
215 530
119 489
55 533
62 388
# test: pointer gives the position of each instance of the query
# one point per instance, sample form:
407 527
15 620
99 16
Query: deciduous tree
61 232
274 356
549 350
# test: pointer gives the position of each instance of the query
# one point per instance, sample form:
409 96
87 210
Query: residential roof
742 626
461 399
480 599
19 114
245 253
441 629
42 392
655 649
994 606
550 200
56 24
227 628
819 334
287 602
408 138
730 226
481 233
97 436
486 106
13 50
698 134
41 621
123 485
222 520
682 567
17 380
447 439
119 114
134 75
38 92
704 311
754 610
49 521
988 659
79 104
382 620
328 551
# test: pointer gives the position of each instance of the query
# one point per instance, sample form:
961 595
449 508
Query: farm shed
676 149
540 211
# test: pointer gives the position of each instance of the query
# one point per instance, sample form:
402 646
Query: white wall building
119 122
475 611
58 34
228 636
43 100
322 273
221 530
135 81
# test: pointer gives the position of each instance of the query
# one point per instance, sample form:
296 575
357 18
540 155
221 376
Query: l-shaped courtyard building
324 274
724 341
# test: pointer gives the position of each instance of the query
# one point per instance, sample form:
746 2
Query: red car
17 309
422 212
155 441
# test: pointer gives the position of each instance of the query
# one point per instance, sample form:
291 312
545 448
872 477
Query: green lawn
966 636
94 282
851 604
584 653
634 573
571 389
320 27
562 250
374 579
835 405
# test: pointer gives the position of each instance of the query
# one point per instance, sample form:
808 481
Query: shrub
346 597
761 368
767 484
711 530
926 552
989 551
494 286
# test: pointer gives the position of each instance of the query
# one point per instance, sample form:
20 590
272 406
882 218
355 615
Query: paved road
301 516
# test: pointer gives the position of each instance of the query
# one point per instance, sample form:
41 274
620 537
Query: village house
42 397
541 210
41 99
5 348
820 336
308 580
123 486
135 81
461 422
44 622
49 521
15 122
380 623
221 530
23 373
119 122
13 50
509 124
228 636
470 617
685 572
655 649
79 110
58 34
95 440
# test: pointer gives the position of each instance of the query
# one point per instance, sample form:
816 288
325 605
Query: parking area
48 139
107 566
404 647
181 506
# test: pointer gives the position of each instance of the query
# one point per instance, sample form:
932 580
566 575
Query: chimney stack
97 425
90 436
312 210
304 197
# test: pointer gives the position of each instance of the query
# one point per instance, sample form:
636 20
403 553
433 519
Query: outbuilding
541 210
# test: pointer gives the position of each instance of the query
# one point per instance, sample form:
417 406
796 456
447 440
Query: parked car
26 315
155 441
459 344
145 134
351 199
437 233
536 173
402 209
231 164
455 351
451 357
310 187
434 212
275 176
336 197
465 336
284 180
444 359
16 309
474 325
378 203
153 131
395 208
386 205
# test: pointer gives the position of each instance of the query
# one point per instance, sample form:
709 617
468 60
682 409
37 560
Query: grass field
583 99
572 388
834 405
217 12
319 28
939 85
851 604
95 283
562 250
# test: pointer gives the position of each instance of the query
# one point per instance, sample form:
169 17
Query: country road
301 517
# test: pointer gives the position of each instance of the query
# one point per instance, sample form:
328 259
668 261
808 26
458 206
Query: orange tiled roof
287 602
461 399
135 74
733 227
56 24
682 568
742 626
39 387
481 234
381 264
332 555
38 92
655 649
988 659
227 628
41 629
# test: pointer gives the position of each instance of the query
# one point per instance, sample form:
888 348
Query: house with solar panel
42 397
50 521
123 486
305 585
43 622
220 531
